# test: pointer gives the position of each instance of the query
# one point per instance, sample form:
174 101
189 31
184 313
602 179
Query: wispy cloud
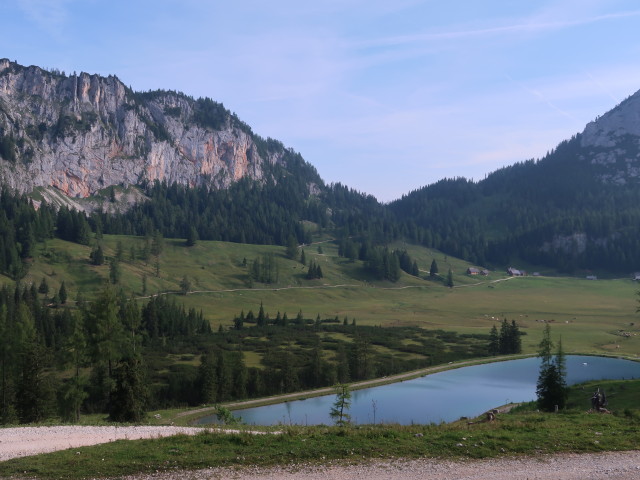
603 88
525 26
543 98
49 15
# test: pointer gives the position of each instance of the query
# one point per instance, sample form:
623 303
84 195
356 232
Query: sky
383 96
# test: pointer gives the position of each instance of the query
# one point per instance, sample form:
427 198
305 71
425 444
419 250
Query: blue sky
384 96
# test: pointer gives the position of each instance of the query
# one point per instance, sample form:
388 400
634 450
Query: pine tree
494 341
551 388
192 236
114 271
449 282
433 271
34 399
303 258
261 319
157 244
292 248
97 255
62 293
74 390
185 285
129 399
44 286
515 342
208 379
119 251
415 271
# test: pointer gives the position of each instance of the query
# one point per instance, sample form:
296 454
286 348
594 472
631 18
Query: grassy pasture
591 316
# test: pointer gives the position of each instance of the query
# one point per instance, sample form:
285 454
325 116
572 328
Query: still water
440 397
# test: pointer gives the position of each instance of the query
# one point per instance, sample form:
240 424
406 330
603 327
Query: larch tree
340 408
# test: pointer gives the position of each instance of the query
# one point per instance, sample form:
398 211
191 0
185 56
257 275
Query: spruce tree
192 236
261 319
494 342
44 286
129 399
97 255
208 379
292 248
551 387
433 271
114 271
449 282
62 293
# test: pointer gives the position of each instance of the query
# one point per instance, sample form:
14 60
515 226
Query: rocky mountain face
612 142
81 133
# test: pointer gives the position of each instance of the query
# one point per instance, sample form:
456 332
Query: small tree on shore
551 388
341 405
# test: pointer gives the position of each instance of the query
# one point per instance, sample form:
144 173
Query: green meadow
592 316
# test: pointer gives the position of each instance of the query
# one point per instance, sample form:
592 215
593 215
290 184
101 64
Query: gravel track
18 442
25 441
610 466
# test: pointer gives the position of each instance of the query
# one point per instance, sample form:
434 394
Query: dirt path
25 441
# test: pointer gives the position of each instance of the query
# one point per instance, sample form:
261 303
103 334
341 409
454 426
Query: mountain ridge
575 208
81 133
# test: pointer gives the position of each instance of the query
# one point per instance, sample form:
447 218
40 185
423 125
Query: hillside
576 209
164 162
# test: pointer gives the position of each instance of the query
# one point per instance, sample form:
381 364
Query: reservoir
440 397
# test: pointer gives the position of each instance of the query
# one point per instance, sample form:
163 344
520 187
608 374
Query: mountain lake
440 397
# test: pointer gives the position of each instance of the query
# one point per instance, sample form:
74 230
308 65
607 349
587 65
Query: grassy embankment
524 431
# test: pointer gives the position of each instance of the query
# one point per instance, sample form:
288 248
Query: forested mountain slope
576 208
190 168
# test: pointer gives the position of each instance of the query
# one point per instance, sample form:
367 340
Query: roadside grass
523 433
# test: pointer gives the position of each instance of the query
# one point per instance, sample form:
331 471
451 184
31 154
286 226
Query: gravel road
16 442
24 441
610 466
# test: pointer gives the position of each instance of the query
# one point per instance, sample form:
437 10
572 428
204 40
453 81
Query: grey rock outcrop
82 133
612 142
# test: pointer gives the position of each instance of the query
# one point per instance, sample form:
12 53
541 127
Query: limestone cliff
612 143
81 133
